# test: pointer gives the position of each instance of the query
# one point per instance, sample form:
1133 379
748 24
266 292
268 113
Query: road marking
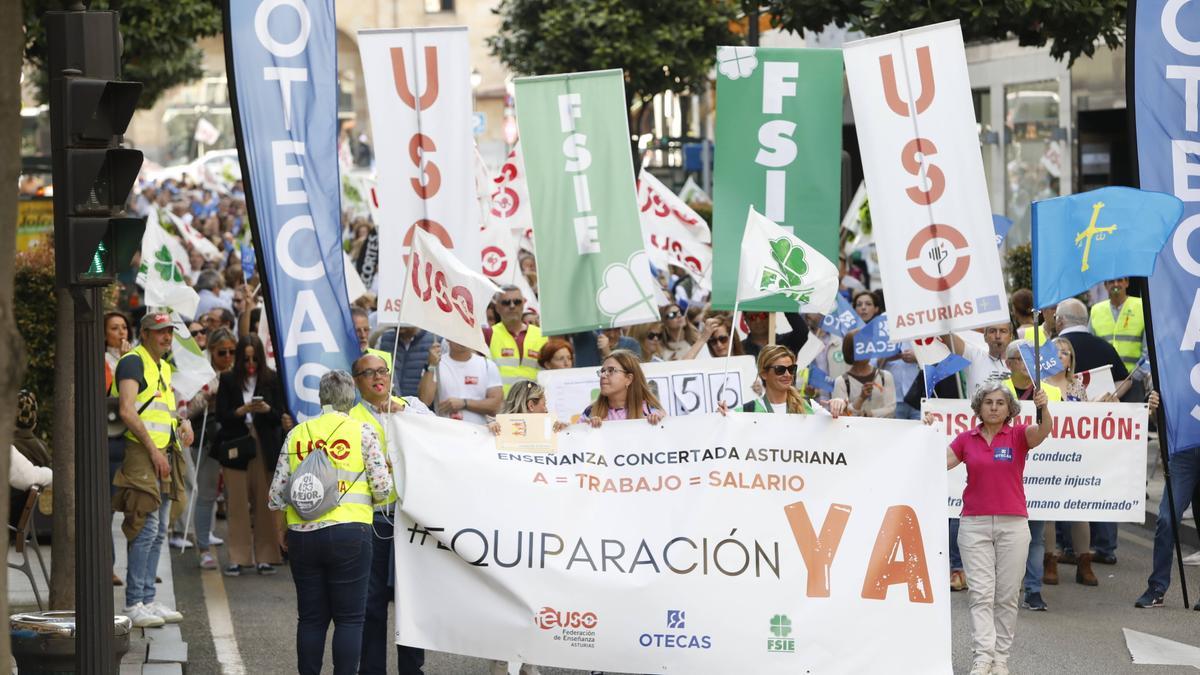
220 623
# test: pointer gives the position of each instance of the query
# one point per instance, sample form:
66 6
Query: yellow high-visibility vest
362 414
340 436
1027 334
159 416
514 366
1053 393
1124 334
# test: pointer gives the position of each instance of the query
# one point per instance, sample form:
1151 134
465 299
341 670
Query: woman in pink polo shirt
994 533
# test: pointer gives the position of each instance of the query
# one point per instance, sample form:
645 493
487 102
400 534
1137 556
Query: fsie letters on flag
776 263
1084 239
929 201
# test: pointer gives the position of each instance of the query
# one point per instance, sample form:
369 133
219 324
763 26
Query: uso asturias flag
282 65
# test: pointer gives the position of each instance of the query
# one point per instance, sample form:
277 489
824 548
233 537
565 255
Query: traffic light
93 173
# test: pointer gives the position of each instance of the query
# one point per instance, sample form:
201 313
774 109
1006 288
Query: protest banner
743 544
282 65
1091 468
593 270
780 140
1162 91
443 295
419 94
929 201
673 233
683 387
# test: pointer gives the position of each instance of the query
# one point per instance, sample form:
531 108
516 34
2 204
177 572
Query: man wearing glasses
514 346
374 382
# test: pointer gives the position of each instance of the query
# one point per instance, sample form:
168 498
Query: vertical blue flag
818 379
842 319
941 370
1002 225
282 64
1082 240
874 341
1051 363
1166 46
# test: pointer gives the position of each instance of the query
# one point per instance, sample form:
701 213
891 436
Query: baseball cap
156 319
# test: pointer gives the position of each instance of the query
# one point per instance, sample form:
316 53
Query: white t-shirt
983 368
468 379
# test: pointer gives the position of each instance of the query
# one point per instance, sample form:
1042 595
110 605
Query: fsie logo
549 618
781 628
676 621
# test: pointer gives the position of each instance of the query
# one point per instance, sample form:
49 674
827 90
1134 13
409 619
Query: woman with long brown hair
717 334
680 333
651 337
624 392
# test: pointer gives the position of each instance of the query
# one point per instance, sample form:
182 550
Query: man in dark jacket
412 357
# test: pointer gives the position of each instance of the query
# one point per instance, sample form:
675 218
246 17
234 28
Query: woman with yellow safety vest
330 556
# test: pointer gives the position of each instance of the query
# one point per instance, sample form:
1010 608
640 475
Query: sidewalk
152 651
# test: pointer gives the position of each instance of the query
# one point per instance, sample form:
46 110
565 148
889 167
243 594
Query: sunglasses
780 370
224 352
755 316
673 314
512 303
608 371
373 372
198 331
719 339
654 336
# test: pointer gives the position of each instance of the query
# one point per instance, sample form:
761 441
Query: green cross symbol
781 626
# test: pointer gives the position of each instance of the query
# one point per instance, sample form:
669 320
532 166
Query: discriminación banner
419 92
1163 89
683 387
924 174
747 544
780 140
1091 468
593 270
282 65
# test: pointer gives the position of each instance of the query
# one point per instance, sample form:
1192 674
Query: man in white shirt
987 364
469 386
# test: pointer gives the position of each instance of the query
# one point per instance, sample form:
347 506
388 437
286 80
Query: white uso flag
776 262
443 296
930 350
164 270
1097 382
674 234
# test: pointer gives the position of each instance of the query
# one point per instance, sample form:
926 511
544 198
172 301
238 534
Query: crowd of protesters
234 467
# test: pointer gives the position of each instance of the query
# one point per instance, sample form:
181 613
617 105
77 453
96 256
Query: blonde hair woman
651 337
777 368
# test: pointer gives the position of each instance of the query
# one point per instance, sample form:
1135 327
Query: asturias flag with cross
1084 239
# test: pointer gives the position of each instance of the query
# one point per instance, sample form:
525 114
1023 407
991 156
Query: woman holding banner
994 534
624 393
777 368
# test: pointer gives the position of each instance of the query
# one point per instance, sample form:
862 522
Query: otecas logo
549 618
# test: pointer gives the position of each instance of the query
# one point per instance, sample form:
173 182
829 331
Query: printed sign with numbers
683 387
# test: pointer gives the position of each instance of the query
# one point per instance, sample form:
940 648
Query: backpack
313 489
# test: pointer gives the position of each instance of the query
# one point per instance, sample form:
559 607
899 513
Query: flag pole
771 329
187 519
1144 286
732 336
1038 318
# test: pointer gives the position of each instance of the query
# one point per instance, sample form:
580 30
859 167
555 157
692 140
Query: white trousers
994 549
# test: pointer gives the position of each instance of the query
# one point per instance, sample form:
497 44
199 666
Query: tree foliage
666 45
1072 27
159 40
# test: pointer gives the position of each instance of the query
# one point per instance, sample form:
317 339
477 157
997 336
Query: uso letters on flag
1166 52
419 94
282 63
924 172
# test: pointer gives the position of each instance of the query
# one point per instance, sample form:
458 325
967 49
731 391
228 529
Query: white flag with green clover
193 372
164 270
593 270
775 262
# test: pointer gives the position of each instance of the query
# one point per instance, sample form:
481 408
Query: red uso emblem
505 202
938 257
494 261
506 352
470 379
339 449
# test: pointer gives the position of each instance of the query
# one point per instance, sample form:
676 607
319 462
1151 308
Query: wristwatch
430 368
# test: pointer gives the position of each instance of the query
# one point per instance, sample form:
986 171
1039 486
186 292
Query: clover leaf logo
788 278
165 265
736 62
781 625
627 292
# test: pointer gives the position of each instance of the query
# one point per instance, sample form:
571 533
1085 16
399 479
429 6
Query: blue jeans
329 567
905 411
1035 563
1104 538
379 593
955 556
1185 477
143 556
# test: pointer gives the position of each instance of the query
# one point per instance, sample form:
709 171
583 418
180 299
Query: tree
1071 26
667 45
159 40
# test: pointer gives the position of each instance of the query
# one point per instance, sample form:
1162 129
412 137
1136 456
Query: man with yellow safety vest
373 379
330 555
151 475
1119 321
514 346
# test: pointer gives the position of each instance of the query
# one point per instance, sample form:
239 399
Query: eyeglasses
224 352
513 303
654 336
607 371
719 339
373 372
780 370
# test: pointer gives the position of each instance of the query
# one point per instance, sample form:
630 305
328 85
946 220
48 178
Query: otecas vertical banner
282 63
419 92
778 149
1166 99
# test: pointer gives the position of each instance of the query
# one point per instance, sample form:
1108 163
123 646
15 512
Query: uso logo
549 618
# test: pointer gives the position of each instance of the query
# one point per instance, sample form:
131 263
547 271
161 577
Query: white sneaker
180 543
142 617
999 668
207 561
165 613
981 668
1193 559
214 540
